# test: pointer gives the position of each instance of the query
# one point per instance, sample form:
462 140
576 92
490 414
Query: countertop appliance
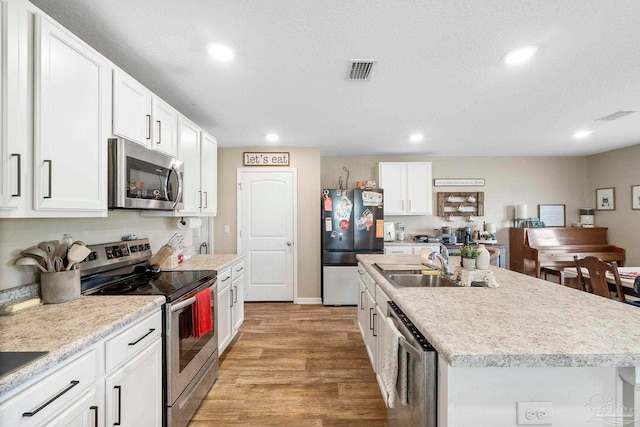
140 178
389 231
352 223
190 363
421 374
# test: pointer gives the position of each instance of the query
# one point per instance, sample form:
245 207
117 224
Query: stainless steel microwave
140 178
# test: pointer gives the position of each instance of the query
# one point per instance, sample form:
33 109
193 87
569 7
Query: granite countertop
525 322
66 329
210 262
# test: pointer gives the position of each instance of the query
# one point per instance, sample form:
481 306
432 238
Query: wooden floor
295 365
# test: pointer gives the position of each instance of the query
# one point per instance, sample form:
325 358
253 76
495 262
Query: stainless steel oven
191 363
140 178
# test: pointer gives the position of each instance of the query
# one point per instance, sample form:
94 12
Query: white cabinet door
371 342
237 288
407 187
131 109
189 154
133 393
362 309
85 412
71 88
419 200
209 174
165 127
225 325
392 179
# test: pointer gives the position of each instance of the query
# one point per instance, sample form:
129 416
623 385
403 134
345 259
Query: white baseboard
309 301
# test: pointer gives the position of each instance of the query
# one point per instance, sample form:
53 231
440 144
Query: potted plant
469 255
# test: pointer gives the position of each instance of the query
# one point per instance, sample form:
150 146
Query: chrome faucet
443 257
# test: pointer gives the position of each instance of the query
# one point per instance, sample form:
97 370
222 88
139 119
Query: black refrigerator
352 223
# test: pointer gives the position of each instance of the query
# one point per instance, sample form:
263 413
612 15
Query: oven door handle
183 304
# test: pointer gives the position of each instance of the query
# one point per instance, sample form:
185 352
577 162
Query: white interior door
267 227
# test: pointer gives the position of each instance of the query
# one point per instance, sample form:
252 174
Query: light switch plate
534 413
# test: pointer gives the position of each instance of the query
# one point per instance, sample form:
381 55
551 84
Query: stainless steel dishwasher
421 370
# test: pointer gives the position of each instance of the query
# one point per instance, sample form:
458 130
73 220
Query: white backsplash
18 234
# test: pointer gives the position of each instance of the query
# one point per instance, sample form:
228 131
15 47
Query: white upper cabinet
209 174
407 188
131 109
71 115
165 127
189 154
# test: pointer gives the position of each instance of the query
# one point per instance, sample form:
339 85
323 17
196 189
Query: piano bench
564 277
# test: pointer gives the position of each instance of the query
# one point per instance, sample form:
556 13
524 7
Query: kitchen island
527 340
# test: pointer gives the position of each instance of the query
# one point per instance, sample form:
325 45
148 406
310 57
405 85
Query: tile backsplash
18 234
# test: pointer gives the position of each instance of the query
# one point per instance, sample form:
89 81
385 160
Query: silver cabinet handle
50 175
226 278
239 270
235 298
159 141
148 126
119 389
19 193
71 385
360 272
289 243
206 200
371 319
361 302
374 323
199 199
230 297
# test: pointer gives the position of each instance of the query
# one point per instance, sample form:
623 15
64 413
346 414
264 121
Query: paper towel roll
521 212
189 223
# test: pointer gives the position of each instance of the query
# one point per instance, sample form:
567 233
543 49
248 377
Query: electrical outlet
534 413
227 229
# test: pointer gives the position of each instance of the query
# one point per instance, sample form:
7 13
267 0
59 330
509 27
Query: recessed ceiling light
221 52
519 55
272 137
581 134
417 137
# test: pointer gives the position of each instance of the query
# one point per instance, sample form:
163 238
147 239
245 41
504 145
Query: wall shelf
461 203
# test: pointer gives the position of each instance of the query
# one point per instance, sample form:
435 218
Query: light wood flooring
295 365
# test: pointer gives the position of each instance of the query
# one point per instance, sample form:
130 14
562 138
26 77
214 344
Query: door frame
266 170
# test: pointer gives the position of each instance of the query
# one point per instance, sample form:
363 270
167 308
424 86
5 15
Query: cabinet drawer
50 395
132 340
237 270
224 279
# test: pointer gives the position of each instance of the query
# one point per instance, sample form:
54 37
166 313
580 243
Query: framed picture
605 199
552 215
635 197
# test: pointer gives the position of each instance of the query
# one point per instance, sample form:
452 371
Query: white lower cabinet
230 303
134 391
89 390
372 317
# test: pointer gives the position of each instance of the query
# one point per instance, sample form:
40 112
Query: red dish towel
202 313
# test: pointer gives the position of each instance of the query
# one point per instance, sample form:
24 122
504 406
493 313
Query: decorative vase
63 286
482 262
468 263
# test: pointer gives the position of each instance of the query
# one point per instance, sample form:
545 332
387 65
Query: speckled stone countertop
526 322
210 262
66 329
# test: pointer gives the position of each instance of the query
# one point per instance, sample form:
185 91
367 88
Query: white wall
19 234
619 169
486 397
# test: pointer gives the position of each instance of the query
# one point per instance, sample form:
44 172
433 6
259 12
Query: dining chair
597 276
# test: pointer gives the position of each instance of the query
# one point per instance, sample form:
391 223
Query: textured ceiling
439 70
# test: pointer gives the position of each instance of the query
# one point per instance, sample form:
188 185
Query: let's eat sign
266 159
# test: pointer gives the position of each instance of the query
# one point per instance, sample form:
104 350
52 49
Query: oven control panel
108 254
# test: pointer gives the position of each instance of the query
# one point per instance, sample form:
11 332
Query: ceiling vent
617 115
360 69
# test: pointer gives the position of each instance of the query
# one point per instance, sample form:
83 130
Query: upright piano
531 249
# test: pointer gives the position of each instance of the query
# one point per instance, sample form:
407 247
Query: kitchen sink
412 280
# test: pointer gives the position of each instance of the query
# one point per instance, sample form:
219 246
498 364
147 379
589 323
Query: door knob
289 243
